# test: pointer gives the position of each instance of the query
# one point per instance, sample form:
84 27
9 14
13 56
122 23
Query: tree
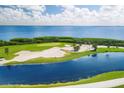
21 40
94 46
6 50
76 47
108 46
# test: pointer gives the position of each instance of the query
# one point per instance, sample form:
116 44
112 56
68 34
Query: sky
83 15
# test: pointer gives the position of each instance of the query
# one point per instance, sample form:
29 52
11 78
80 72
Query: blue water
80 68
8 32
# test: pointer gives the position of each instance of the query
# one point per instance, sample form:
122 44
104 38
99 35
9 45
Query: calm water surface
8 32
61 72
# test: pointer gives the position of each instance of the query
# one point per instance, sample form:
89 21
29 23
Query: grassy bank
97 78
69 56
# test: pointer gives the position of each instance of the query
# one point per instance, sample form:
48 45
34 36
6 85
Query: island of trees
45 39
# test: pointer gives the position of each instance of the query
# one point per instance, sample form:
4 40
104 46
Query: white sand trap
84 48
68 48
101 46
121 47
3 60
49 53
22 56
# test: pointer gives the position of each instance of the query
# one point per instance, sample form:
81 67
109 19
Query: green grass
110 50
69 56
32 47
97 78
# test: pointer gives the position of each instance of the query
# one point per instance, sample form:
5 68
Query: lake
9 32
72 70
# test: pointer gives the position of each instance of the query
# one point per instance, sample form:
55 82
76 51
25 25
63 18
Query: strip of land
54 52
49 52
51 49
65 58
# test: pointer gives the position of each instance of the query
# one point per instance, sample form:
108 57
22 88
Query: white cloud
72 15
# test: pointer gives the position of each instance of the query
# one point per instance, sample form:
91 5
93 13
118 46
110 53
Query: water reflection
8 67
94 55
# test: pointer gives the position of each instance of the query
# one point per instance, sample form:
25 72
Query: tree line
94 41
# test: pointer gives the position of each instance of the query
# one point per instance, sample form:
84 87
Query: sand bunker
49 53
84 48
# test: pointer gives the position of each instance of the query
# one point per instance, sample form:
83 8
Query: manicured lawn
110 50
97 78
69 56
32 47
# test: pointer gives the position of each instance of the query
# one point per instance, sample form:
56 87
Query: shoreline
95 79
64 59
